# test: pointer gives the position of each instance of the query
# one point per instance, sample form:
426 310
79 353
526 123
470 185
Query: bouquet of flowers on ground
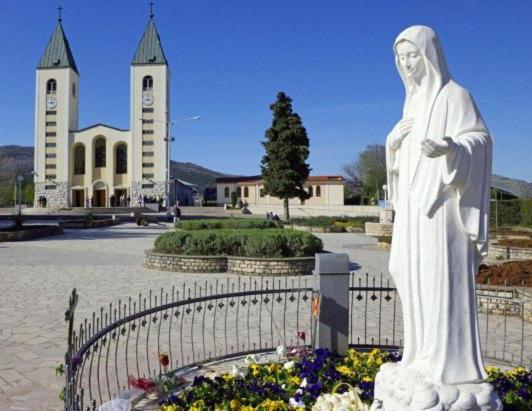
347 401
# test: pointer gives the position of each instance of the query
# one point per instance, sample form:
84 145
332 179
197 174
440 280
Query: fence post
331 284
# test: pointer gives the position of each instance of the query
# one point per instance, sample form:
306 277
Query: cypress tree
284 168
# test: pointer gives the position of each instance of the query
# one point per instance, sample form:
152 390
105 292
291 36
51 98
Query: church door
78 198
99 198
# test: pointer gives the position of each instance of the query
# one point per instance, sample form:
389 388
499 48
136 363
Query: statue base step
401 389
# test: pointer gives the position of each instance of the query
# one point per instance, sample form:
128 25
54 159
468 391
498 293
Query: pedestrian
177 212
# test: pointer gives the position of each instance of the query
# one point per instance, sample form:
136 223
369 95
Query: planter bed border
229 264
33 233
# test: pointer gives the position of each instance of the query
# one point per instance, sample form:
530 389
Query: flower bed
514 273
273 243
216 224
303 381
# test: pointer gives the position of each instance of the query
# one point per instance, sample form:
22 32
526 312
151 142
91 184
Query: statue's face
411 60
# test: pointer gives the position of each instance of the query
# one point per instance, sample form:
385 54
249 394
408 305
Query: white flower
235 371
292 402
251 359
281 350
289 365
303 383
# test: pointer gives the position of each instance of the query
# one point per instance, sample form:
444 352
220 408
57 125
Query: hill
18 160
519 188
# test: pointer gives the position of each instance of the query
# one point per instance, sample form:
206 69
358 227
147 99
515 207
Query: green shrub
334 224
245 243
216 224
511 212
526 213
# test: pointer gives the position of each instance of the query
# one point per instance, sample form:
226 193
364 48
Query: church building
89 166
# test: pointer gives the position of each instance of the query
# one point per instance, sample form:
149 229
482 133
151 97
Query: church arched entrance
99 196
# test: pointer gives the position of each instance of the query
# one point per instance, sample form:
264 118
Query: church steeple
57 53
150 50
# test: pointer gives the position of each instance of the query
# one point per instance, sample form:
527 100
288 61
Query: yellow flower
367 379
198 406
169 407
342 369
271 405
227 377
234 404
247 408
255 369
294 379
273 367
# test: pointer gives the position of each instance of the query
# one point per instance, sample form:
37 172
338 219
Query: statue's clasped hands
433 149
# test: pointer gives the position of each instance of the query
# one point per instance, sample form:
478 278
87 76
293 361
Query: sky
230 58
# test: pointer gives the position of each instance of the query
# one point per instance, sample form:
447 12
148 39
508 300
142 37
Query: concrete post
331 284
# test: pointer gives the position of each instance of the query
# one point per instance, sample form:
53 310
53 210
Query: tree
284 168
367 174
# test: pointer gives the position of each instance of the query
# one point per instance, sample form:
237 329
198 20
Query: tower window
318 191
73 89
99 152
51 86
147 83
246 192
79 159
121 159
311 191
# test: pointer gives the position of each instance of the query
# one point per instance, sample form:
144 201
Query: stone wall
270 266
316 211
505 300
57 197
510 253
185 263
379 229
31 233
236 265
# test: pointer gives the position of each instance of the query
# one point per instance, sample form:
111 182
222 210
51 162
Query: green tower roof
150 50
58 53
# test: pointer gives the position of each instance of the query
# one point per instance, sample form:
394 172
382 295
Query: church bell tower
56 114
150 102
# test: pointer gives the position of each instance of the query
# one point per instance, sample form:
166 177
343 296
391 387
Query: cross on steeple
151 9
59 18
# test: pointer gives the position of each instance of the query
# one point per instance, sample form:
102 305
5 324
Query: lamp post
169 140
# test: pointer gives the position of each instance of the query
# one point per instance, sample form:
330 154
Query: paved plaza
36 278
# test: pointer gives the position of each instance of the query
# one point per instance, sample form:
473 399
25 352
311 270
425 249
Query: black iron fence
219 320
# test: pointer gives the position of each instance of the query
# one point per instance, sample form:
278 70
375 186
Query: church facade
91 166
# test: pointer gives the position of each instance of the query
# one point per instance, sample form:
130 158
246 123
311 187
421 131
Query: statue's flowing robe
441 222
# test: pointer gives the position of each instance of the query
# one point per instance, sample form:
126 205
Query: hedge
217 224
511 212
338 224
274 243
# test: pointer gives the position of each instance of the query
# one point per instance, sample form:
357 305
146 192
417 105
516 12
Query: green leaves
272 243
284 168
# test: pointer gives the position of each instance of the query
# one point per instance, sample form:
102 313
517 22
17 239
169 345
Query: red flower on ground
301 335
144 384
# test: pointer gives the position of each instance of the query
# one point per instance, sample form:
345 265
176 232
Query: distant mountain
519 188
18 160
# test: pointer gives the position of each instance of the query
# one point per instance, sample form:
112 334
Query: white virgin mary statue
439 166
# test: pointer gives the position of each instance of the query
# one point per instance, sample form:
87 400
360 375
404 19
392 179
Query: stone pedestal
386 215
400 389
